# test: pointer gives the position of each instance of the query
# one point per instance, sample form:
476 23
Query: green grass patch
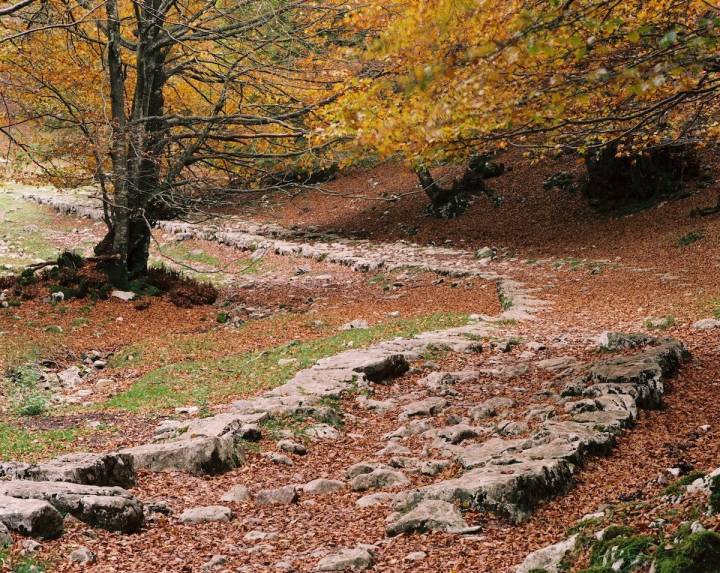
21 443
661 323
19 215
219 379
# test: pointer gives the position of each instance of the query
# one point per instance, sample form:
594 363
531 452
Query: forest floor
654 271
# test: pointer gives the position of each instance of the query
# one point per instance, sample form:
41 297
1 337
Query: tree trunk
444 203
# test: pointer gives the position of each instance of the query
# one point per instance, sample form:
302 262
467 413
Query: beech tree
446 79
164 102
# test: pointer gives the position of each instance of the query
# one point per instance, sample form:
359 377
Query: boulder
706 324
357 559
5 537
292 447
319 432
82 468
32 517
457 433
424 408
512 491
491 407
82 556
378 479
322 486
238 493
429 515
549 558
277 496
206 514
111 508
199 455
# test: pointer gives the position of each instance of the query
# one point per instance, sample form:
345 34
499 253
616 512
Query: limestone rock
357 559
548 558
322 486
32 517
111 508
706 324
201 455
206 514
509 490
277 496
5 537
491 407
378 479
322 432
238 493
373 499
429 515
424 408
81 468
292 447
82 556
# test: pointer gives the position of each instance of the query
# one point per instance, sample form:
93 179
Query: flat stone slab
31 517
199 455
512 491
89 469
548 558
357 559
111 508
429 515
206 514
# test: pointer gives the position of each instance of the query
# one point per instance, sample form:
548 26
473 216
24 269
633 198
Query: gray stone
491 407
214 562
32 517
5 537
206 514
415 556
111 508
277 496
511 428
200 455
512 490
236 494
81 468
706 324
457 433
292 447
373 499
322 486
424 408
429 515
549 558
378 479
357 559
70 377
393 449
123 295
357 324
82 556
322 432
280 459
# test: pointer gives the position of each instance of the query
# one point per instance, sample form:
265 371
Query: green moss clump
715 494
697 553
677 487
618 544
